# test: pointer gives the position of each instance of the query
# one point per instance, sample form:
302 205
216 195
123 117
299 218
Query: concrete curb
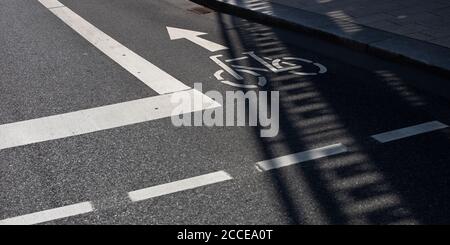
372 41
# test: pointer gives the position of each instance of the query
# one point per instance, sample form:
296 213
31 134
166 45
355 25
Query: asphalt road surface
112 61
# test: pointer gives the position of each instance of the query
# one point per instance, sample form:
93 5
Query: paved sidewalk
426 20
414 31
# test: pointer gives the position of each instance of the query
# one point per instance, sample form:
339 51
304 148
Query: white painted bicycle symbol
291 65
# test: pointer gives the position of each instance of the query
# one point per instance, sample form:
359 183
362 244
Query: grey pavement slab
334 21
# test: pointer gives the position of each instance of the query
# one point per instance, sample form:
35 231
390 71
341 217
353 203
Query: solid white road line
49 215
51 3
295 158
409 131
180 185
100 118
151 75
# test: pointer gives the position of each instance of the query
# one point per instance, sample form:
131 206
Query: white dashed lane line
135 196
50 214
178 186
409 131
173 187
300 157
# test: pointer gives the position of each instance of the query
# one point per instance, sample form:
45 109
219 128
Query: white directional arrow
193 36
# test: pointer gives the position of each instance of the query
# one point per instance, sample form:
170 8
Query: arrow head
178 33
